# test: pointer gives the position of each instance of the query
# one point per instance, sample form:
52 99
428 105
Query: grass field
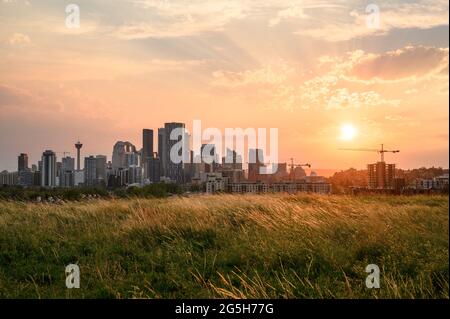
229 246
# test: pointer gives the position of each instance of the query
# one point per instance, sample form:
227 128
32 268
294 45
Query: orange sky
307 68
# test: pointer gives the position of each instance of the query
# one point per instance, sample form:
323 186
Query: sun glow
348 132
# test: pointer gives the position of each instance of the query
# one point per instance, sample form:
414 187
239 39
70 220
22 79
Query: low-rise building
215 182
9 178
288 187
440 182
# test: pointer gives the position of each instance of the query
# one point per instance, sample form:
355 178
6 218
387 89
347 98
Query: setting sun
348 132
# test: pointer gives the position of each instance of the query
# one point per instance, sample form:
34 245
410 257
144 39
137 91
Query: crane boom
380 151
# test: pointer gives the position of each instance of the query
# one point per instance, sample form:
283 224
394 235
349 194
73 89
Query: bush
73 194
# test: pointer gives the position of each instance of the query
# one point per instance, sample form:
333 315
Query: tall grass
227 246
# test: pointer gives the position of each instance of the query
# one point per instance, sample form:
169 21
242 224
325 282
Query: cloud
175 19
280 86
272 84
19 39
355 80
25 2
271 74
14 98
407 62
10 96
343 99
344 23
292 12
52 101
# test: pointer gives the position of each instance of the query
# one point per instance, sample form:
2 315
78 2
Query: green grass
232 246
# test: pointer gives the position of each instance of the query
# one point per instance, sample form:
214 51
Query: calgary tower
78 146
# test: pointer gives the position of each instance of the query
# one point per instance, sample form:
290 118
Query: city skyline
316 71
178 161
33 159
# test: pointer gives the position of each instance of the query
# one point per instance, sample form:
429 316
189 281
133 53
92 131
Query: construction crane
380 151
64 153
292 165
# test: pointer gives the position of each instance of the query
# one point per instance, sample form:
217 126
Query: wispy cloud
410 61
19 39
345 22
178 18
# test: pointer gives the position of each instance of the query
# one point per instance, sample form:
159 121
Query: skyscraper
90 170
232 160
48 175
66 179
67 174
174 171
124 154
134 174
68 164
208 156
101 169
78 146
255 162
22 162
147 144
152 169
147 149
95 170
162 150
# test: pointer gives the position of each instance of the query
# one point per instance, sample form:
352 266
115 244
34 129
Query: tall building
90 171
152 169
255 162
22 162
174 171
37 178
232 160
67 179
66 174
209 154
231 168
147 143
25 178
78 146
78 178
162 150
95 170
67 164
101 164
381 175
134 174
58 173
48 173
124 155
9 178
131 158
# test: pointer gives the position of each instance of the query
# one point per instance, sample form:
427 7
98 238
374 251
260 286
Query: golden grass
231 246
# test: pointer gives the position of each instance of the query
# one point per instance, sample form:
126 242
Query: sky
327 74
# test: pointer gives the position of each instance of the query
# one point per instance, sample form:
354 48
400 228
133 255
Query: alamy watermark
73 16
72 276
234 139
373 279
373 16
